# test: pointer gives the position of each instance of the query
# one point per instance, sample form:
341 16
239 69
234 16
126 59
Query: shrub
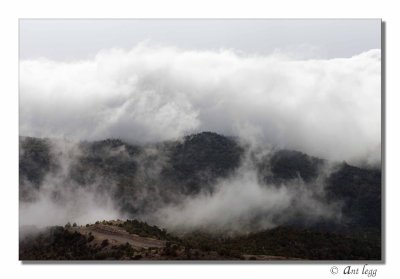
104 243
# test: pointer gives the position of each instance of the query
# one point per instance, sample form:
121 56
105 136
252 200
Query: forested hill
169 171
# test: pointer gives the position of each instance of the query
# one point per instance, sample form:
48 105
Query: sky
82 39
307 85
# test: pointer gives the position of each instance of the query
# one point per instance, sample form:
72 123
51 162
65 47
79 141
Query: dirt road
117 236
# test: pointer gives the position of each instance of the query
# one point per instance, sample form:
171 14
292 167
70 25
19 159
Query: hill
142 179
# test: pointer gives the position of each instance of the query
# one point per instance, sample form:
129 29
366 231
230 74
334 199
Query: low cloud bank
59 199
243 204
240 203
326 108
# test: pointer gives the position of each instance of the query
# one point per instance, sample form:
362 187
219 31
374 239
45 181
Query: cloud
60 199
242 204
327 108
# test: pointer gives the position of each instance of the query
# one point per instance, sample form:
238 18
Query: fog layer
326 108
240 202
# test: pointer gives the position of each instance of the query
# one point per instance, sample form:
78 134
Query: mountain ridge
192 166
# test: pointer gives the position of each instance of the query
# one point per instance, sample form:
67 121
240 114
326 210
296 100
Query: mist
326 108
59 199
149 94
243 203
240 203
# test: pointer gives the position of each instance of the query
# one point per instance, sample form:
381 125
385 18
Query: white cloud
59 199
241 204
328 108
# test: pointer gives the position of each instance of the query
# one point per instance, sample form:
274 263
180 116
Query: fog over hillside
205 182
326 108
217 139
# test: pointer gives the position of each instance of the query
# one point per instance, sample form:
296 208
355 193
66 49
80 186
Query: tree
104 243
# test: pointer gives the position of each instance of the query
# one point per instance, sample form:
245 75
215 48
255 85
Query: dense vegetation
143 229
59 243
287 164
360 191
200 159
292 243
144 177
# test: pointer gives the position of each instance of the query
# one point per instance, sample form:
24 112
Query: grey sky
329 108
80 39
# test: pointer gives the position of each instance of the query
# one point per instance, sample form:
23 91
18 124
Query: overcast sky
248 78
82 39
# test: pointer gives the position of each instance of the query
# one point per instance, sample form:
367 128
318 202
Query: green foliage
35 161
287 164
104 243
58 243
192 166
200 159
145 230
90 238
360 190
291 243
